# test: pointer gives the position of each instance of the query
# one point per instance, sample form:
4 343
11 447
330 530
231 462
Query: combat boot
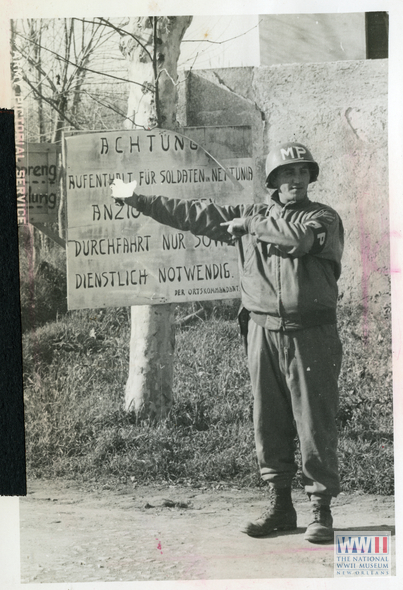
321 527
279 516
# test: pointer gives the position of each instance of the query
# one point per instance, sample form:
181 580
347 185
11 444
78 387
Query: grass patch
75 371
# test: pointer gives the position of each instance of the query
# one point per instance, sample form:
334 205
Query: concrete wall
339 110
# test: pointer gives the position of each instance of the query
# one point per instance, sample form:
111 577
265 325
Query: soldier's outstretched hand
123 193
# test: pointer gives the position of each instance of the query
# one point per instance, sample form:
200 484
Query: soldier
289 261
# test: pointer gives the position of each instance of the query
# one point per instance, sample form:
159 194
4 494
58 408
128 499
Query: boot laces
321 513
277 503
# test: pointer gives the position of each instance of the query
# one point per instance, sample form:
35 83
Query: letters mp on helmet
289 153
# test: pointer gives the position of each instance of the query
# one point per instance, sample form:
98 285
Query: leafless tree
59 57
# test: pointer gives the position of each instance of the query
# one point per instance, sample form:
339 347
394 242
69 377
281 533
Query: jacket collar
291 204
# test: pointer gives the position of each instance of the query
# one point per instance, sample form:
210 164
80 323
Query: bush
43 290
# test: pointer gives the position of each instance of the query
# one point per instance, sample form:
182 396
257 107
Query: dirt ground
69 534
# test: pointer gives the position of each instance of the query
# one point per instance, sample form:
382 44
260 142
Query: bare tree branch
32 62
112 108
221 42
122 33
51 103
87 69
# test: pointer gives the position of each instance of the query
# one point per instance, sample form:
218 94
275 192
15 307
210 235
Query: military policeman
289 262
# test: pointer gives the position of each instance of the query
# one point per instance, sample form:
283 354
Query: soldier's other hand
236 227
123 193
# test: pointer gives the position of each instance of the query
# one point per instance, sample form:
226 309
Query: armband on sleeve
319 231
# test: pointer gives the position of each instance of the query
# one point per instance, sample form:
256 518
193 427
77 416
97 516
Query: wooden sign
117 256
39 167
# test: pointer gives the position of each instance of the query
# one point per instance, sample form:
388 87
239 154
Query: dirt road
69 534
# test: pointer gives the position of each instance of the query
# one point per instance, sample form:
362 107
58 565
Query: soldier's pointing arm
200 217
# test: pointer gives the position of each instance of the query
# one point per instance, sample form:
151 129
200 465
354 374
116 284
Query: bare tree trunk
38 59
153 53
152 341
60 98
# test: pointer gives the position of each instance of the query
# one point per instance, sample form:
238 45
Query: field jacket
289 257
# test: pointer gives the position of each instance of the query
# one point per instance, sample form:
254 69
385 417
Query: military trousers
294 379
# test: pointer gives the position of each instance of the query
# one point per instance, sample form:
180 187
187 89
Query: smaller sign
39 168
358 554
